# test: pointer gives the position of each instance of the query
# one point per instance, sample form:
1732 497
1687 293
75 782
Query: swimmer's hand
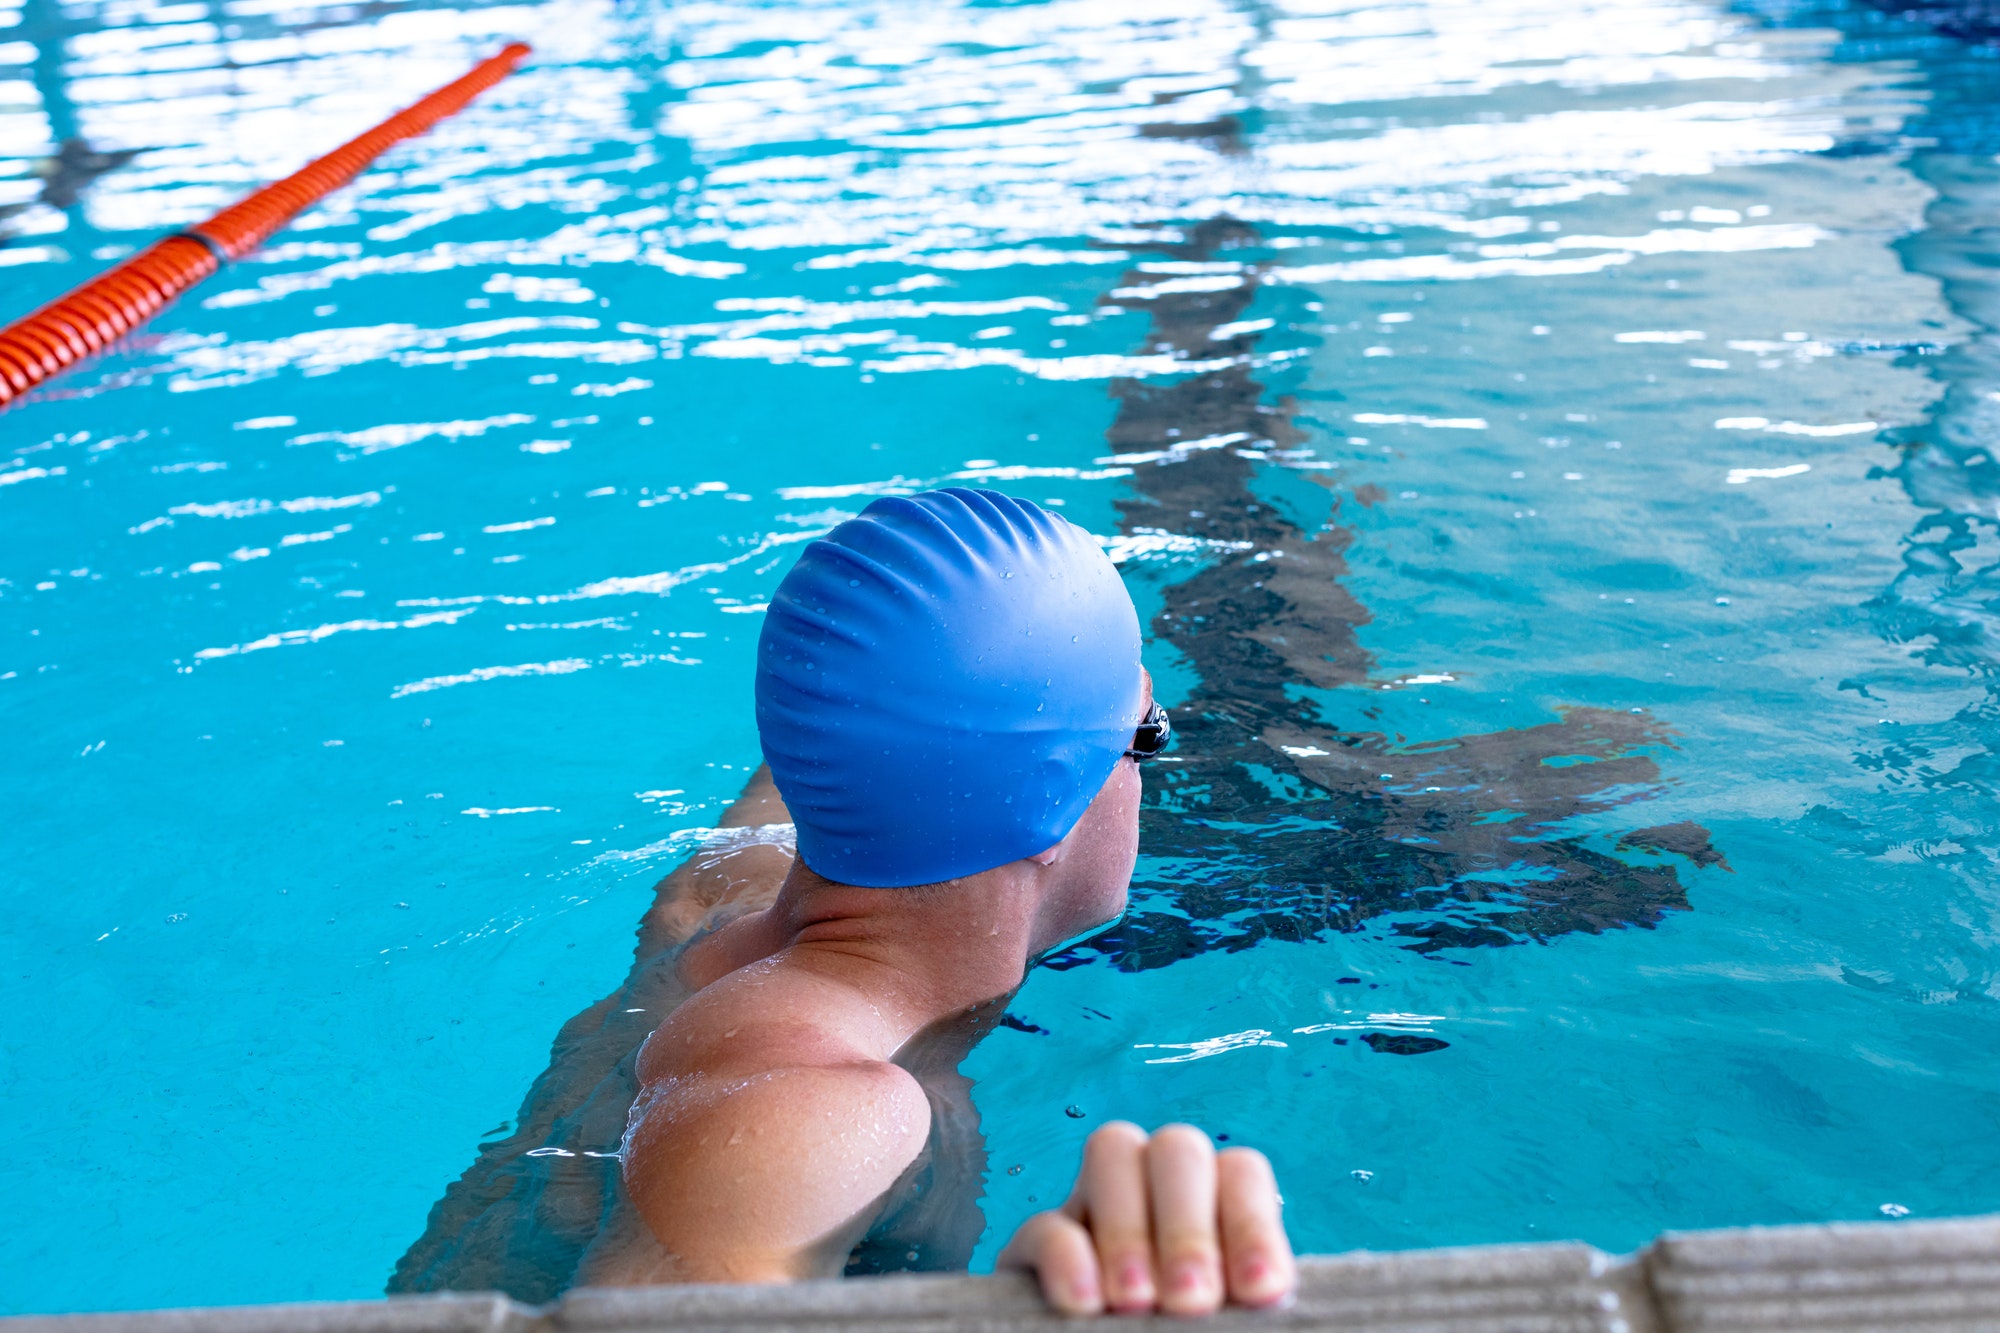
1160 1223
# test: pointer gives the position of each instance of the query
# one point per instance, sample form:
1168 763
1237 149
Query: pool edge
1936 1276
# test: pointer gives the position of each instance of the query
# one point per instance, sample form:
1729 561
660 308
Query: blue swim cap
943 685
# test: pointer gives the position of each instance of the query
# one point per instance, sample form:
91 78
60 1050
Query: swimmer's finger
1112 1191
1256 1253
1057 1250
1180 1164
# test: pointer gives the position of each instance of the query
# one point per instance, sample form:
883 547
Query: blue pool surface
1548 442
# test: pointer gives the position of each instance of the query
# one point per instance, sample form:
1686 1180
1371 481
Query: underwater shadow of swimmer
1271 824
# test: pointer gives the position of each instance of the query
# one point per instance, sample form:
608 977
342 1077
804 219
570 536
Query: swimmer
952 711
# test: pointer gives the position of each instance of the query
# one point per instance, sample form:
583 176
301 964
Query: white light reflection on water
951 138
678 245
935 132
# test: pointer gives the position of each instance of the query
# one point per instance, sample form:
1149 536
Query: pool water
1548 444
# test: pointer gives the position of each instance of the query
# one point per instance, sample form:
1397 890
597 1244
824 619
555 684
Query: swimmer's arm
775 1175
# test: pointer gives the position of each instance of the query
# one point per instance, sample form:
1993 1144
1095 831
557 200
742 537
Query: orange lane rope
105 309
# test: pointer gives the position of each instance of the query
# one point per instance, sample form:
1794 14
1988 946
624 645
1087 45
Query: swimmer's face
1094 866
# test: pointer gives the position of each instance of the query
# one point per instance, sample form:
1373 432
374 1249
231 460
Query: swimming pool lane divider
91 318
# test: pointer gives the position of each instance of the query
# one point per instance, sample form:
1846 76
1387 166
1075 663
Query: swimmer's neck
921 953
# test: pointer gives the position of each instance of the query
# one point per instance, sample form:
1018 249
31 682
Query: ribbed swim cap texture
943 685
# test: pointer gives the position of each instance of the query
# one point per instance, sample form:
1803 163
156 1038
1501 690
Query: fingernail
1189 1276
1256 1272
1132 1276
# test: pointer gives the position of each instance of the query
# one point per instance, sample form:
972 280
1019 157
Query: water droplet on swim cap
915 780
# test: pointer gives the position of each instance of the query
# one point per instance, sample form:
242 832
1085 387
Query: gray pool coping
1931 1277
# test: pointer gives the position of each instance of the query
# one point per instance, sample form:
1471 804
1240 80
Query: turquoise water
1549 444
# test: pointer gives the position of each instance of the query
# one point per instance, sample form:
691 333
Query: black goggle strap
1154 732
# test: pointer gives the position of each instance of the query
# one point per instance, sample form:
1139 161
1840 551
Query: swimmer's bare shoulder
775 1064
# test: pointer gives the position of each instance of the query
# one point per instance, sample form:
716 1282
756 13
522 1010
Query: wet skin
772 1122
